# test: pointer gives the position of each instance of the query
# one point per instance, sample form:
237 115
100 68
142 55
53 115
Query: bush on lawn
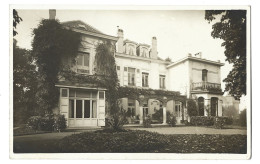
202 120
171 119
147 121
192 108
48 122
60 123
130 141
158 115
117 120
219 122
34 123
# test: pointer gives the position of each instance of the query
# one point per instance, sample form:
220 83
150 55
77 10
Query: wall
154 70
196 72
178 78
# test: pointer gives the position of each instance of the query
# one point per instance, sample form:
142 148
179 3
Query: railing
206 86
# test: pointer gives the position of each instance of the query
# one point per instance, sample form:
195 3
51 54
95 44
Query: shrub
219 122
117 120
129 141
47 122
60 123
192 108
34 123
202 121
158 115
171 119
147 121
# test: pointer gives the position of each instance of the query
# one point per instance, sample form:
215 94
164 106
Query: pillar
164 114
141 111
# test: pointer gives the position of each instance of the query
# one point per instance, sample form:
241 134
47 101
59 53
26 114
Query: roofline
72 86
123 55
196 59
94 34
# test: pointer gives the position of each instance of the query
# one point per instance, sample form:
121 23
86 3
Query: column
164 115
141 111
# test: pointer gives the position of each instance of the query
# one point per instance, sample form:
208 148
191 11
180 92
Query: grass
135 141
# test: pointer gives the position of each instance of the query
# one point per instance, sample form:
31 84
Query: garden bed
136 141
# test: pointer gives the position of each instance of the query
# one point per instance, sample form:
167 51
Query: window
101 95
145 79
78 108
71 108
86 108
131 76
162 81
204 75
178 108
82 62
64 92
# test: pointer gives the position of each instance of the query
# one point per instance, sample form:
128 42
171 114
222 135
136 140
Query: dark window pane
94 109
78 108
86 108
64 93
71 108
86 60
79 60
101 95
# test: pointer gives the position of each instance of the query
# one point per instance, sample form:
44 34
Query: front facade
165 85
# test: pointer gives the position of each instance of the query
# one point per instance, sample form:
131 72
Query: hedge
218 122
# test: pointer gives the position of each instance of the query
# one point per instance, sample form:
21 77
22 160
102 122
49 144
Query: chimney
52 13
154 48
120 42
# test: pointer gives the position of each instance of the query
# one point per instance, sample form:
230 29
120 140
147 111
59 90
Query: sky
178 32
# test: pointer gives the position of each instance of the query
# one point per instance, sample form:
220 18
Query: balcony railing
206 86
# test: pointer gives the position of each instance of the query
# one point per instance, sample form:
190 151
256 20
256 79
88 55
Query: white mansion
139 66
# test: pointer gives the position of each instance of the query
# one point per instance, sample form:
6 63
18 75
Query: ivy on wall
51 44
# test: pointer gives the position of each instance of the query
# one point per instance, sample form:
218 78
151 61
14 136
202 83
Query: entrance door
178 111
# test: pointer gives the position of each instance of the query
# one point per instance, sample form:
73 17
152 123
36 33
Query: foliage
231 28
242 118
47 122
171 119
16 20
52 44
147 121
34 123
117 120
192 108
219 122
202 120
144 141
158 115
60 123
24 84
130 141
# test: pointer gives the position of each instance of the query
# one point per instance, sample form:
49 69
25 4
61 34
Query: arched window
201 106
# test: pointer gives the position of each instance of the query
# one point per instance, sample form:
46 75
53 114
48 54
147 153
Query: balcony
206 86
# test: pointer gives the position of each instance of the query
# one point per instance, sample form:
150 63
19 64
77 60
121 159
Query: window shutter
125 78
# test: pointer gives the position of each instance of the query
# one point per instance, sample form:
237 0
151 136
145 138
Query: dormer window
82 62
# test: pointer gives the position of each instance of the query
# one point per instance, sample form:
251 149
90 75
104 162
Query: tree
24 86
16 20
192 108
52 44
232 30
106 68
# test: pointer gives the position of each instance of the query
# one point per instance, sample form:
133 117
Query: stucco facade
138 66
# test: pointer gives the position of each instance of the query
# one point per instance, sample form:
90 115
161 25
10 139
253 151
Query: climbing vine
52 44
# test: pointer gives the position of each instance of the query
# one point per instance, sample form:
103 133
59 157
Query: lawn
136 141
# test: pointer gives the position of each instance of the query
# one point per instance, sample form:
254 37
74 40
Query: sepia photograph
165 81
